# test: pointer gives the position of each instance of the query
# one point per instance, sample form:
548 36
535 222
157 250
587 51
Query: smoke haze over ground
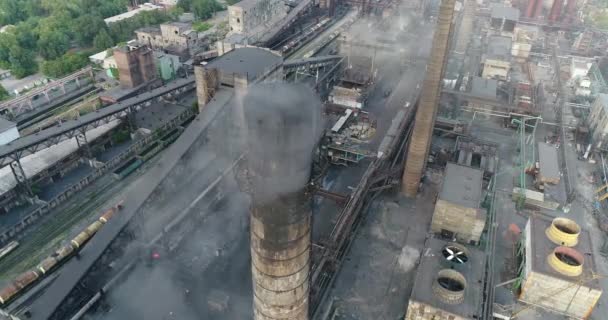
203 271
282 130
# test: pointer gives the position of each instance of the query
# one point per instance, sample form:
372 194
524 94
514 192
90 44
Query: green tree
7 41
23 62
103 40
204 9
66 64
86 27
3 93
231 2
11 12
53 44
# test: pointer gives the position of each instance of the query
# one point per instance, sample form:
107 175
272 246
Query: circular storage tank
563 232
566 261
449 286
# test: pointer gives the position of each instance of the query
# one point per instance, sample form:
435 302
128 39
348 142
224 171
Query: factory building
458 214
135 65
524 37
503 19
598 121
8 131
175 37
548 166
477 153
484 88
448 283
557 272
237 69
252 18
131 13
497 60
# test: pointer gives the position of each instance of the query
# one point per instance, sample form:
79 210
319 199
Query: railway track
39 242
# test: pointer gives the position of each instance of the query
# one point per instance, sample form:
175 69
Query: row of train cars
293 44
22 282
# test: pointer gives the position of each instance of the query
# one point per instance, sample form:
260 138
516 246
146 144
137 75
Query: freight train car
23 281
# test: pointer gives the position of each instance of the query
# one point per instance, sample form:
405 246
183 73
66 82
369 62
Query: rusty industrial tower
280 138
427 108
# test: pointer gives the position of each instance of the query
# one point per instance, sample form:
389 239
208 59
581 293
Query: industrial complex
322 160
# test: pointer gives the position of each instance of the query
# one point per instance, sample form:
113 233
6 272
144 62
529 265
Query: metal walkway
48 137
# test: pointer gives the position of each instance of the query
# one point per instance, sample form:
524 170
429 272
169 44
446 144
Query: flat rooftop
433 261
484 88
542 247
504 12
132 13
250 61
499 47
6 124
462 185
35 163
547 157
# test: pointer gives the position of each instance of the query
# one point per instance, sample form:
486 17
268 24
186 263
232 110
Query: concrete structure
549 171
253 17
176 37
457 212
557 272
497 58
477 153
466 27
583 86
504 19
583 42
579 68
427 111
167 64
598 121
237 69
527 32
448 283
484 88
135 65
8 131
129 14
347 97
281 209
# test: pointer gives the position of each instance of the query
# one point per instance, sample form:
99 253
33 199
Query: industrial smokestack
283 125
530 8
556 10
427 109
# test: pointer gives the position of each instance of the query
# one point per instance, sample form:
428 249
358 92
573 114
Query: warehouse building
252 18
558 272
237 69
458 214
497 60
448 283
548 166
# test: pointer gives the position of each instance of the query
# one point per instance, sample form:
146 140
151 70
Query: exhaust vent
449 286
455 253
563 232
566 261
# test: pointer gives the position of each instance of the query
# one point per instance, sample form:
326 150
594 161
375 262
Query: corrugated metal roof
547 156
462 185
250 61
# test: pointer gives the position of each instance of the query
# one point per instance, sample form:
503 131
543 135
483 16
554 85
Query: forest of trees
56 36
